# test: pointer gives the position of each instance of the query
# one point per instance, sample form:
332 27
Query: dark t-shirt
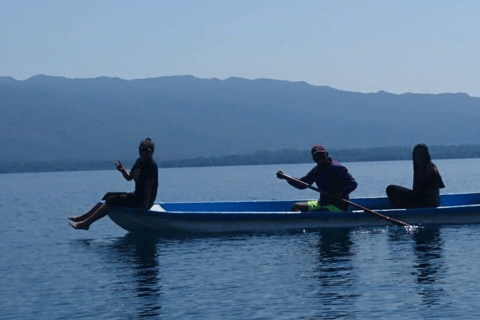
142 171
334 179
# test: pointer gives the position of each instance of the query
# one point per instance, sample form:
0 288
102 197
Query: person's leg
300 207
401 197
423 200
314 206
111 198
101 212
85 215
332 208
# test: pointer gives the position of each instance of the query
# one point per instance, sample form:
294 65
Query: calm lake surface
50 271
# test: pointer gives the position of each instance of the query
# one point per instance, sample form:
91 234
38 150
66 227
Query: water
50 271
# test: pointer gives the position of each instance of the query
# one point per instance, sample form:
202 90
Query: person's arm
309 179
349 182
148 194
152 177
429 182
121 168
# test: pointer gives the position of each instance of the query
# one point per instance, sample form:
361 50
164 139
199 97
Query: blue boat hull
262 216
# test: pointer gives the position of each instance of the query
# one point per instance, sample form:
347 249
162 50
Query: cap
318 148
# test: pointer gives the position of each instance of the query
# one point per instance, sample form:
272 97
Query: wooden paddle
392 220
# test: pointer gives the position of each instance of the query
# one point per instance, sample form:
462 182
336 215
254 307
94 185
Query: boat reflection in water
336 272
428 264
138 257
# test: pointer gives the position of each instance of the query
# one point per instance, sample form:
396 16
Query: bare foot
75 219
79 226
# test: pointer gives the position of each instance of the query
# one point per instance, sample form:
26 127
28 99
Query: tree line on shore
256 158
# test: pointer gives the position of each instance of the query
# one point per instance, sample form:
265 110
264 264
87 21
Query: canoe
275 215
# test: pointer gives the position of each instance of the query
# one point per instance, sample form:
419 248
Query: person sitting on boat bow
145 175
331 177
427 183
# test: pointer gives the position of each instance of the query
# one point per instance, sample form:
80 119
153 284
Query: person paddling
333 180
145 175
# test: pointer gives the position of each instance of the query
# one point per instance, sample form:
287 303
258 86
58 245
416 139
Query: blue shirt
333 179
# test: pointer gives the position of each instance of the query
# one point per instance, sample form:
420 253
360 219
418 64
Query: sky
419 46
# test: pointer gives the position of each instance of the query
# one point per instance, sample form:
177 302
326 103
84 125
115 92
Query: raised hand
119 166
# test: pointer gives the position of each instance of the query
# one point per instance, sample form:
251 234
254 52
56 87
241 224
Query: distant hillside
51 118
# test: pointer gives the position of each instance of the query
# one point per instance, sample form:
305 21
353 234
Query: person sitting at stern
427 183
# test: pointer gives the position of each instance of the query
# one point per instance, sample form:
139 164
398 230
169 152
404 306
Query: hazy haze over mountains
51 118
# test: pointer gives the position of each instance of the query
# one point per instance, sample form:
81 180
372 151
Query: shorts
314 205
122 199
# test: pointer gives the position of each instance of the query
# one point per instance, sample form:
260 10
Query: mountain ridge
49 117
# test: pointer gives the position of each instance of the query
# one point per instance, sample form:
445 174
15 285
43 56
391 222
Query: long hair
419 169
